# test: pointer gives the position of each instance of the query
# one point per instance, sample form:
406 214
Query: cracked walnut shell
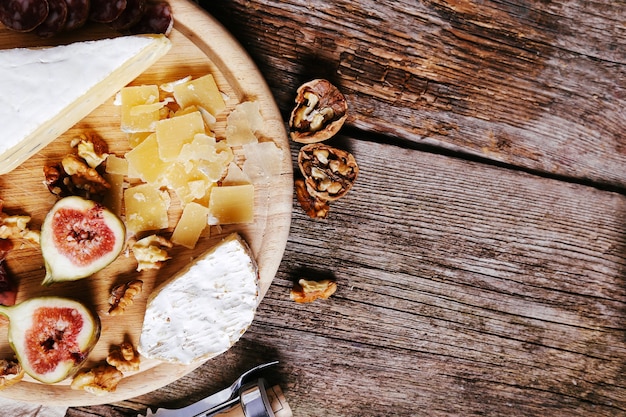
313 206
320 112
329 173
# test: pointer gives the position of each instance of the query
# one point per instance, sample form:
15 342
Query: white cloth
13 408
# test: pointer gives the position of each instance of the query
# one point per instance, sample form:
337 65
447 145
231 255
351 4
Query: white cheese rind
205 308
45 91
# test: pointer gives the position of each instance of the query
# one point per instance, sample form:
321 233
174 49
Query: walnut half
77 174
124 357
123 296
313 206
151 251
100 380
16 227
11 372
320 112
307 291
329 172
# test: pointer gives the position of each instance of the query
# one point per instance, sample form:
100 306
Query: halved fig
51 336
79 237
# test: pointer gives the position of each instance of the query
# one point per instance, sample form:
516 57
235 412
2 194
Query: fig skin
79 237
47 347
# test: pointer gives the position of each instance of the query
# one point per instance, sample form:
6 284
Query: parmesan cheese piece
173 133
190 226
145 208
243 123
144 98
45 91
116 165
202 92
230 204
205 308
144 162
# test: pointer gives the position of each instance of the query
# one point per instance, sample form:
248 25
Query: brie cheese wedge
45 91
204 309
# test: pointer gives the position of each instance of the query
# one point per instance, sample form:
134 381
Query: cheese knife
213 403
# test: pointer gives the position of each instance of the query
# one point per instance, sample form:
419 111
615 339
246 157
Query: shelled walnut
124 357
123 295
91 148
16 227
329 173
321 109
11 372
99 380
151 251
77 173
83 176
307 291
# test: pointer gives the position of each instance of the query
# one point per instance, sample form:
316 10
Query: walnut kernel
150 252
100 380
11 372
91 148
306 291
123 295
82 176
76 174
16 227
124 357
320 112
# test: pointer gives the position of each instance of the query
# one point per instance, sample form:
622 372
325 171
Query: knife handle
277 401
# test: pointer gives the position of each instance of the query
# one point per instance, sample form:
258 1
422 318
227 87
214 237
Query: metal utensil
252 399
205 405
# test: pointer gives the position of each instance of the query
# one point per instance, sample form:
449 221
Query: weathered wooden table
481 255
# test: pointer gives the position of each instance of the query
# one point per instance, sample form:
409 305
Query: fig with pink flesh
79 237
51 336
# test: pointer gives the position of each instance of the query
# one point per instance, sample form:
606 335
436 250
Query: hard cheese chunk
114 196
205 308
116 165
243 123
189 182
190 226
139 113
232 204
173 133
202 92
145 208
144 162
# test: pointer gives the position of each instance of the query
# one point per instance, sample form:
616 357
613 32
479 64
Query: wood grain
536 84
491 293
200 46
481 255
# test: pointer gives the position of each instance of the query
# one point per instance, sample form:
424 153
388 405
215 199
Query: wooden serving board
200 45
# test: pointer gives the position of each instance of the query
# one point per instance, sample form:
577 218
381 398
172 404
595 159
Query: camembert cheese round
203 310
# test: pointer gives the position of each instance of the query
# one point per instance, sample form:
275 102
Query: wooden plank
200 46
539 85
463 289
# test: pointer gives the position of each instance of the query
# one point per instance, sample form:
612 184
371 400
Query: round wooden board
200 45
